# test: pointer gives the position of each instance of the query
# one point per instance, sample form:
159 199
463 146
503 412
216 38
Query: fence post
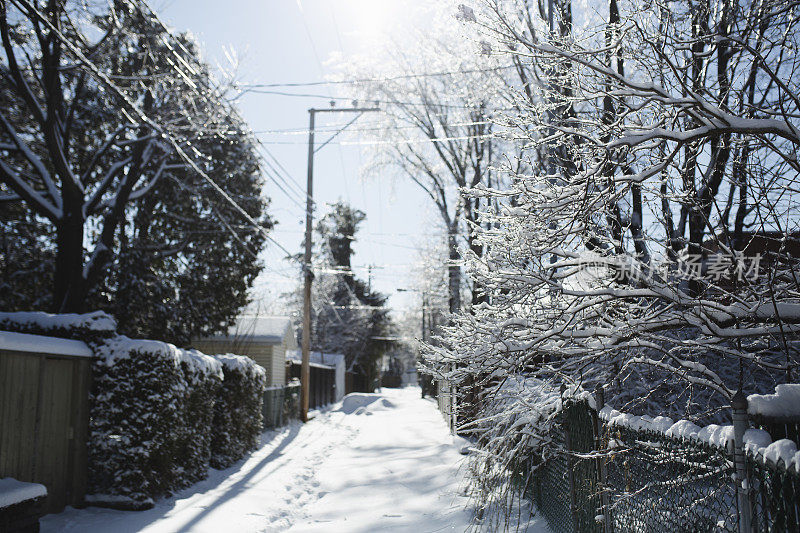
740 423
573 504
600 402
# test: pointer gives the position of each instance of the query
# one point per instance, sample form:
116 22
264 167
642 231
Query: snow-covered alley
381 462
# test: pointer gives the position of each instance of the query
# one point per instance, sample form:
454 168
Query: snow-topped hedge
136 410
87 327
237 412
159 415
163 415
203 375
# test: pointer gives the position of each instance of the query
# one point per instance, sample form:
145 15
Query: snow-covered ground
380 462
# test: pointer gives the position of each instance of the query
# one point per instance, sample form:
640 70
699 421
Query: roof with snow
320 359
266 329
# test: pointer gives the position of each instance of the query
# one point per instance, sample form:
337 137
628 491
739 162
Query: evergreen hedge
159 415
238 419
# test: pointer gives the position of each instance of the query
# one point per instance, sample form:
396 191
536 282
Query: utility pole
308 275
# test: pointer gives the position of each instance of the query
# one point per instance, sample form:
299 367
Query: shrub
135 420
151 425
159 415
203 375
90 327
237 411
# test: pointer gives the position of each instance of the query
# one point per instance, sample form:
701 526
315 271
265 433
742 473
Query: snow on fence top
22 342
784 403
96 321
318 359
13 492
757 442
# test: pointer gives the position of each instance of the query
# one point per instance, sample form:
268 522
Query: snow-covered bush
237 412
159 415
203 376
89 327
137 406
514 432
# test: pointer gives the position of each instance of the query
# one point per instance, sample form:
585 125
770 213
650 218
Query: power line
142 116
369 100
399 141
282 168
232 110
377 80
378 127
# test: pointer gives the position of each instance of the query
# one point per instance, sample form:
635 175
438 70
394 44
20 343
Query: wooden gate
44 406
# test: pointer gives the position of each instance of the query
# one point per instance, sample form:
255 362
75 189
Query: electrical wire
24 5
400 141
368 100
377 80
332 129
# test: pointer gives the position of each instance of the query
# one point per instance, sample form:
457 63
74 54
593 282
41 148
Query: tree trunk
69 285
454 272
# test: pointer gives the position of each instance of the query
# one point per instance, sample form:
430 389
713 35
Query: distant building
265 339
322 361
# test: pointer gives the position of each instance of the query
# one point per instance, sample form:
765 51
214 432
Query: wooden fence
44 406
323 383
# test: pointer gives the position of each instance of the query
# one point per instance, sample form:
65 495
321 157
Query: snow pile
162 415
784 403
72 326
713 434
13 492
359 403
783 450
755 440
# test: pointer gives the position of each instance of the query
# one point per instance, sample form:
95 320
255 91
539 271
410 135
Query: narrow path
379 463
399 473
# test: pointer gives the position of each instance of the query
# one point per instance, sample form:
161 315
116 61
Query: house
265 339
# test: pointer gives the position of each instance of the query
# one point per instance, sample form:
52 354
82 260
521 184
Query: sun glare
373 19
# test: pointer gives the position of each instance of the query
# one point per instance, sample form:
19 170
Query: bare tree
657 253
439 99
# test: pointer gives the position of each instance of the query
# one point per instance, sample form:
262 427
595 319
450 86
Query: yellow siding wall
271 357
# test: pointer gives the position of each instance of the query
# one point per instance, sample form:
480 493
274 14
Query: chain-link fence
566 484
775 494
598 478
662 484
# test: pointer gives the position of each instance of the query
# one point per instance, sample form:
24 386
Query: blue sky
284 41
